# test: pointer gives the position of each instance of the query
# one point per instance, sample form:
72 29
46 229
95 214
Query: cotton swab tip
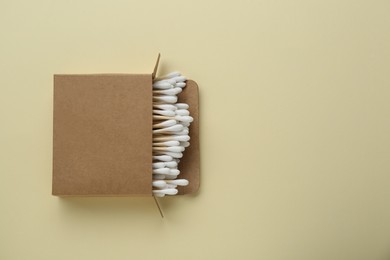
187 119
162 171
174 155
170 92
166 191
182 138
159 184
180 78
164 112
174 128
158 165
179 182
184 144
165 107
170 81
163 85
182 106
166 99
183 132
164 158
180 84
172 164
174 172
166 123
167 143
182 112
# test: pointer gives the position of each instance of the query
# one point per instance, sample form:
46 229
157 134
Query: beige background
295 128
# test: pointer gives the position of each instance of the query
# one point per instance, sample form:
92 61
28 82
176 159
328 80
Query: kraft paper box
102 135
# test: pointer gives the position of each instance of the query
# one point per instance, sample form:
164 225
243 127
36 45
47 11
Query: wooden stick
175 149
163 117
169 143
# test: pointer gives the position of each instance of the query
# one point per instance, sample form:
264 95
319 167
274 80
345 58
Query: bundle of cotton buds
170 133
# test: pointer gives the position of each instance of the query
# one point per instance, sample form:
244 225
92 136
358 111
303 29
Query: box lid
102 135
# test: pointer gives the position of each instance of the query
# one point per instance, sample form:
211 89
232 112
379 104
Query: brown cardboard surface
102 139
189 165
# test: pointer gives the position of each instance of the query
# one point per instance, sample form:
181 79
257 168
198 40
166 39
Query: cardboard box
102 135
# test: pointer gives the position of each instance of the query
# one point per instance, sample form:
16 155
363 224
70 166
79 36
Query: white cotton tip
182 106
170 186
162 85
174 128
182 112
179 78
172 74
187 119
167 143
164 112
185 144
171 164
166 123
161 171
186 124
170 191
166 99
159 184
180 84
183 132
179 182
178 90
172 143
170 81
181 138
158 165
163 158
166 191
170 92
174 155
165 107
176 149
174 172
159 176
